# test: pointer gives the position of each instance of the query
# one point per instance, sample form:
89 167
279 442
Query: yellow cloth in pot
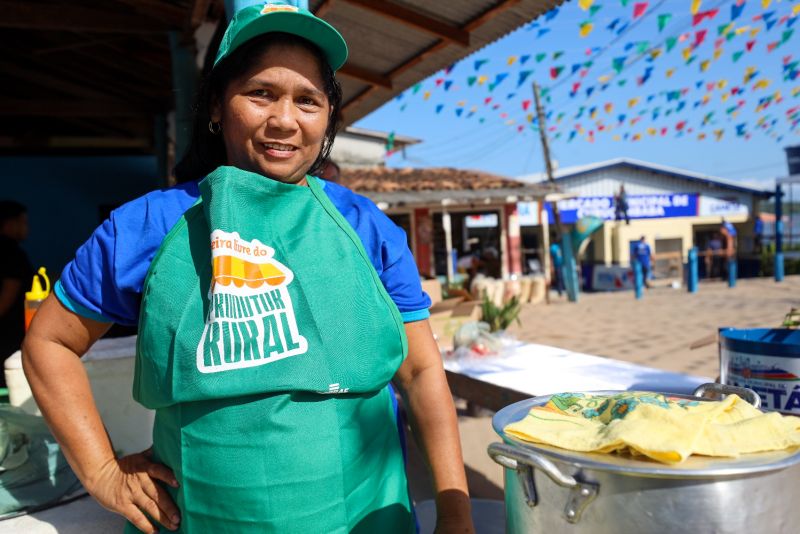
666 429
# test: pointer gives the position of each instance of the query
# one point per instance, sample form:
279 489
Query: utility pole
569 267
546 152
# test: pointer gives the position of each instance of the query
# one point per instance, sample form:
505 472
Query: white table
530 370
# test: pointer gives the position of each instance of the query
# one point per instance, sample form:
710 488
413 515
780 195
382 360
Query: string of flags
710 34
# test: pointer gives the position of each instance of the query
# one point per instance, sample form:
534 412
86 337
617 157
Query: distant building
675 209
359 147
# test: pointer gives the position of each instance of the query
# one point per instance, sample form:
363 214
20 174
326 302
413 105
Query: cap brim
311 28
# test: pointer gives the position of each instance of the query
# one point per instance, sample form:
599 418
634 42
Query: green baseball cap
257 20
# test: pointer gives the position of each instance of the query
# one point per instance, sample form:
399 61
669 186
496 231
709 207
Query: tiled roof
386 180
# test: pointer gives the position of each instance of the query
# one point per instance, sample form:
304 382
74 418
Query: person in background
728 232
331 171
714 256
15 273
758 235
621 205
558 264
644 256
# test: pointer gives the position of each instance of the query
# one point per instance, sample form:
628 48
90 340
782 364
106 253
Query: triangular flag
439 108
540 57
511 60
541 32
765 4
695 6
702 15
459 111
575 68
586 28
663 20
618 63
523 75
671 42
786 36
749 45
555 71
550 15
639 9
557 54
670 72
594 9
642 46
771 46
736 10
526 104
704 65
471 80
585 4
699 37
447 85
524 59
613 24
480 62
426 95
482 79
416 88
737 55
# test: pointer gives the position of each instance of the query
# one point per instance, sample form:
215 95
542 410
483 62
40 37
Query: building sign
611 278
528 213
484 220
722 207
639 207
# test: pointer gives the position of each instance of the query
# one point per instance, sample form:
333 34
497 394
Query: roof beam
365 75
472 25
17 107
66 17
416 20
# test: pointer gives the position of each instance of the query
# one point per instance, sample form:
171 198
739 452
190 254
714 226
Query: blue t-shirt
104 281
642 252
730 228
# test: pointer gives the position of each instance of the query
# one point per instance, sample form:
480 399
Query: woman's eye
261 93
307 101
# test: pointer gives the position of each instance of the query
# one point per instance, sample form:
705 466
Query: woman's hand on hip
130 486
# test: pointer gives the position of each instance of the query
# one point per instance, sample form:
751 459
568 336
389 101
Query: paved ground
656 331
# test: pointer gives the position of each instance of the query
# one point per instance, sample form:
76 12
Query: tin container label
775 379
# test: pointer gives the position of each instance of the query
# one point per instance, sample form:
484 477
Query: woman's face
274 117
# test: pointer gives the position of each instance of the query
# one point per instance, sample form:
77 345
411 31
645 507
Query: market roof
438 185
675 172
82 75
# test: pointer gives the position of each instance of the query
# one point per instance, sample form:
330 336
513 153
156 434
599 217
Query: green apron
266 356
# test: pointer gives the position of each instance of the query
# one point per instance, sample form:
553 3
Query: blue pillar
570 276
732 266
691 282
638 280
778 233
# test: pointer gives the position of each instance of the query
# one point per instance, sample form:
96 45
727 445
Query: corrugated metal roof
675 172
401 54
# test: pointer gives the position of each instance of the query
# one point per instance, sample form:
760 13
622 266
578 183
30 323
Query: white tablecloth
542 370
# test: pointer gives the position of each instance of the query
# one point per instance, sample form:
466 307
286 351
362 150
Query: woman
273 310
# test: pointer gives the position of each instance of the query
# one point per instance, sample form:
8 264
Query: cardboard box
434 290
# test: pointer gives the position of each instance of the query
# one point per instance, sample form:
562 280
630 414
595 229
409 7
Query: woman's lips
279 151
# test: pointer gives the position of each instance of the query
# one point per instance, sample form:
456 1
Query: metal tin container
766 360
549 489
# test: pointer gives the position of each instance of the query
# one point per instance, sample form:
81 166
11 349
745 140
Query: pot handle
724 389
524 461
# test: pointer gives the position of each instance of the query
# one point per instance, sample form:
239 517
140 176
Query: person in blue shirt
558 267
643 254
265 121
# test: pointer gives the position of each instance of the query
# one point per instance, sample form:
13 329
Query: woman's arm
51 360
421 381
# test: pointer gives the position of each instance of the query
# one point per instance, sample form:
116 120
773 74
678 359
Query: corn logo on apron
266 341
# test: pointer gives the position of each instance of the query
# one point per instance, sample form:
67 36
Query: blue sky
689 103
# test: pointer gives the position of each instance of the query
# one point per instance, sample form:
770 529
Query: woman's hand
130 486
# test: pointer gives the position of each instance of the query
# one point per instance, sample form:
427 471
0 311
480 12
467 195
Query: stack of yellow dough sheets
666 429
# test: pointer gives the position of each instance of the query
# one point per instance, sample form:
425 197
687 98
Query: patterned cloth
666 429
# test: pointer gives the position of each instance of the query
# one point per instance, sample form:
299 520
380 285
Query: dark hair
11 209
206 151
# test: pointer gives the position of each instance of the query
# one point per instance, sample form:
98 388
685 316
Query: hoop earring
214 127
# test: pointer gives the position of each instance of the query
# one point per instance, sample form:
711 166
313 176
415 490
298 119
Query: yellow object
35 297
666 429
36 292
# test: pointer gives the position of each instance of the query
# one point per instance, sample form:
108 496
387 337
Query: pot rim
692 467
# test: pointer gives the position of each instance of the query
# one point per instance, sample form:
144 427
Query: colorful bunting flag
523 75
663 20
700 16
671 42
699 37
480 63
695 6
736 10
586 28
639 9
585 4
618 63
555 71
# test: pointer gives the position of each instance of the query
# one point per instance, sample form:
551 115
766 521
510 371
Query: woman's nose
282 115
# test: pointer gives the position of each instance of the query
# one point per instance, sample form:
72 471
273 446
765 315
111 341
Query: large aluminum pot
553 490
